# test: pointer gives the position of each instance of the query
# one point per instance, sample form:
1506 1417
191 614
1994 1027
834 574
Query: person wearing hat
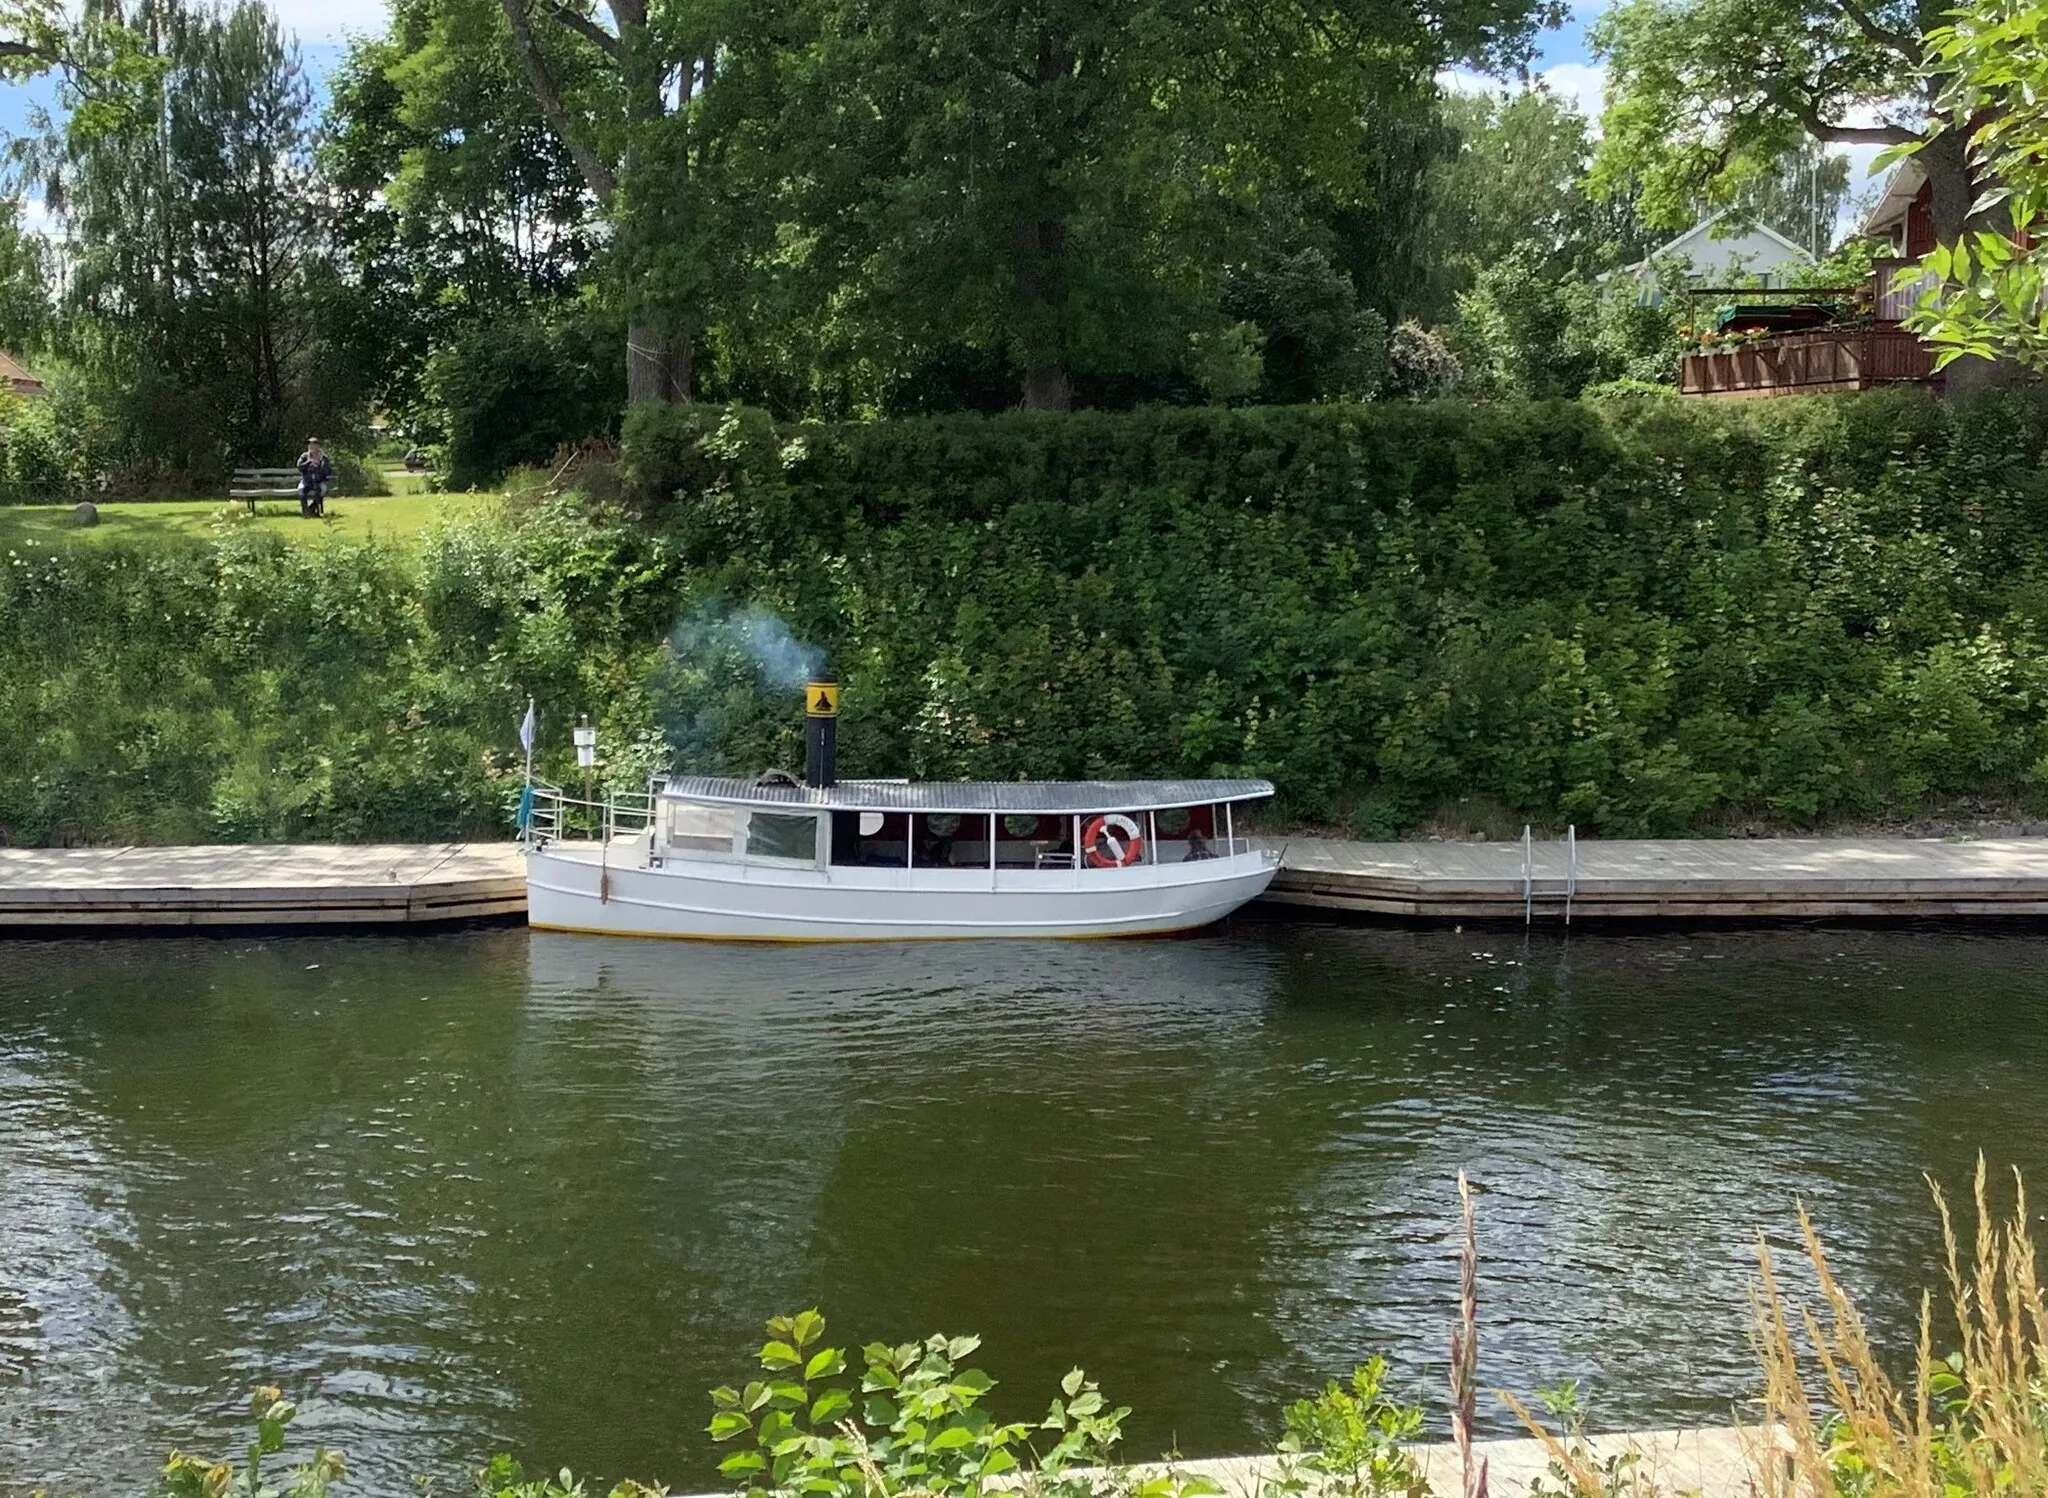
316 470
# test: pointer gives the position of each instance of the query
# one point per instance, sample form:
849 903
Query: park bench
253 484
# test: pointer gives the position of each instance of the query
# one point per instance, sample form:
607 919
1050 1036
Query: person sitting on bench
316 471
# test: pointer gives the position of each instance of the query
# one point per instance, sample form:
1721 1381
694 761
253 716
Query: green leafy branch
912 1421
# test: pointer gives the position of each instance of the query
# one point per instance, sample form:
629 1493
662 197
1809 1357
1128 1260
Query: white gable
1754 251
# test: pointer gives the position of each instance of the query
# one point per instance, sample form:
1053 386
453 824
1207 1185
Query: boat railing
553 816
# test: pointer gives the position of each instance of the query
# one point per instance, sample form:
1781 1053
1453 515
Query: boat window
949 840
774 834
1034 842
1186 834
702 831
871 838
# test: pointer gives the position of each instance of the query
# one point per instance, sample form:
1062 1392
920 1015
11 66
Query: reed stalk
1973 1424
1465 1352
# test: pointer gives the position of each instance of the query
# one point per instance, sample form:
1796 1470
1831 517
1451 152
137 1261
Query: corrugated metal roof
1002 796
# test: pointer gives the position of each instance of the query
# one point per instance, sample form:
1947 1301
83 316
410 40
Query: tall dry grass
1970 1424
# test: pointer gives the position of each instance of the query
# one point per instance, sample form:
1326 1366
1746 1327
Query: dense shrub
1635 615
255 690
1642 615
512 389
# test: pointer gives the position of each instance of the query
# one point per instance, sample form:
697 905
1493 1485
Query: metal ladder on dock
1535 889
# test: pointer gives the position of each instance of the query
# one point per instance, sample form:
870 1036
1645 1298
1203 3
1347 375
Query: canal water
500 1191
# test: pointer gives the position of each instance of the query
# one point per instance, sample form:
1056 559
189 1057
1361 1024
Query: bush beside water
1642 616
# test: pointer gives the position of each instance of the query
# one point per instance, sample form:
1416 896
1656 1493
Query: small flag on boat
526 807
526 730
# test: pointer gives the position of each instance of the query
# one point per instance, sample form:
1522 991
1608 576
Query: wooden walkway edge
1759 879
271 885
1669 879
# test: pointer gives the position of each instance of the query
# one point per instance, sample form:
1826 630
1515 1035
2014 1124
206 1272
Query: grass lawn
174 520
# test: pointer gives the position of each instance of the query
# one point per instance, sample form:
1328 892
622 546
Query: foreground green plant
505 1478
912 1421
1574 1469
1346 1442
194 1477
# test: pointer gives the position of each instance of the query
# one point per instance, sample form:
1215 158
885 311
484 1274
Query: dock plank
1672 878
267 885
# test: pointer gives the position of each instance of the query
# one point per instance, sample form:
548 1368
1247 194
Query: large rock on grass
85 513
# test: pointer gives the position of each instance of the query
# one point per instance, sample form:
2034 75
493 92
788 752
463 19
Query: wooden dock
282 885
1742 879
1672 879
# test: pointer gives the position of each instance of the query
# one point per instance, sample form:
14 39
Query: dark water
495 1190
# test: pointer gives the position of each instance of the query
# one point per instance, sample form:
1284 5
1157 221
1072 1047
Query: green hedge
1635 615
1639 616
254 690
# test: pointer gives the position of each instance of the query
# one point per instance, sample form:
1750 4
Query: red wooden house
1857 353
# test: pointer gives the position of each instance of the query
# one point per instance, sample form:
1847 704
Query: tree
1992 63
1707 97
628 101
195 234
1525 329
1516 182
1317 342
24 283
34 37
1064 181
454 200
1801 197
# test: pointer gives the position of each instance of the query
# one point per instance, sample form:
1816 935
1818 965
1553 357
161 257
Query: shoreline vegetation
914 1420
1641 617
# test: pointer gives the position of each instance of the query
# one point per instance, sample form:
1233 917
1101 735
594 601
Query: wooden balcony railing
1809 363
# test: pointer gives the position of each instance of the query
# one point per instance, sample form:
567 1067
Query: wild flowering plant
1973 1424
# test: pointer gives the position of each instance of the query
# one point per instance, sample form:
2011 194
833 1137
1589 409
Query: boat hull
572 887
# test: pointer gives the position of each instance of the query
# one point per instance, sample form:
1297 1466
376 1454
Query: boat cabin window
1026 841
703 831
1187 834
876 839
783 836
949 840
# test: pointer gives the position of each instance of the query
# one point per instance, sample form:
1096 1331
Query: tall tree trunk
657 362
1040 249
1038 237
1046 388
1951 191
657 347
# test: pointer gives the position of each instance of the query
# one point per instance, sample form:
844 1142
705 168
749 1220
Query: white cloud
1579 84
1458 81
1582 84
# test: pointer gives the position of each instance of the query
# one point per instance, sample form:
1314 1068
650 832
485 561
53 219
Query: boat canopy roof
999 796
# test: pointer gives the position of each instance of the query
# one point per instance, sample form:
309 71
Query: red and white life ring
1112 842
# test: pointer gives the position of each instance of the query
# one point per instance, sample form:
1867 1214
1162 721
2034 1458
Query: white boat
776 859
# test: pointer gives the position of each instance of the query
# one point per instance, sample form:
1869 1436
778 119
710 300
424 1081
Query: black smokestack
821 729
